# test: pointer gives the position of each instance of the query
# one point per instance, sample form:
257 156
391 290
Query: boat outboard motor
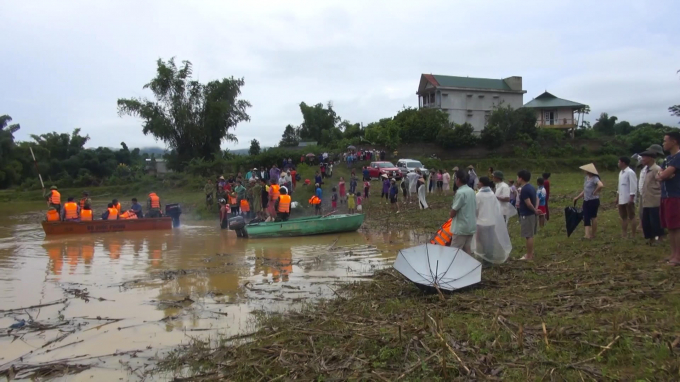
173 210
238 224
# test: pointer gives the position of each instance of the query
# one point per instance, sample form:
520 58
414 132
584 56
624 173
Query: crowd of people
81 210
263 194
657 193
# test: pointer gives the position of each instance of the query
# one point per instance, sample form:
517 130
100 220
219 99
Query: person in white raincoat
412 178
422 190
491 241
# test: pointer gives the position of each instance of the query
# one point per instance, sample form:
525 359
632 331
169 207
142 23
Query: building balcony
558 123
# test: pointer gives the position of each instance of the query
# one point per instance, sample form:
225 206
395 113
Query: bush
492 137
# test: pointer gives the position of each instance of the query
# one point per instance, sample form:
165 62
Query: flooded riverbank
119 301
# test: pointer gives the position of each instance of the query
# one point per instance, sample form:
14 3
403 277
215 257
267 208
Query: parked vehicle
409 165
377 169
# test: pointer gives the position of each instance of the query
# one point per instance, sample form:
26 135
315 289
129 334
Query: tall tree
289 137
190 117
317 119
254 147
605 124
10 169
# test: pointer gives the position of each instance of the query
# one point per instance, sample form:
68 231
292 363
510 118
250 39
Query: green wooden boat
312 225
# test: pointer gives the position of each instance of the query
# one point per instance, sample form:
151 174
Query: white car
410 165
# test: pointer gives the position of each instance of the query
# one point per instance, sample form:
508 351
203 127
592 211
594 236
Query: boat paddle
35 163
329 214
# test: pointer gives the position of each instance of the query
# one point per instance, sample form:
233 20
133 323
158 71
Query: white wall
457 103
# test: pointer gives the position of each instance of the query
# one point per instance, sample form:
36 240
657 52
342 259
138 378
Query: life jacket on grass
443 236
314 200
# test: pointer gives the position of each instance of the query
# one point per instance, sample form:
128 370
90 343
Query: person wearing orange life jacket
282 205
85 200
153 204
52 215
274 193
443 236
54 198
110 213
70 211
86 213
116 205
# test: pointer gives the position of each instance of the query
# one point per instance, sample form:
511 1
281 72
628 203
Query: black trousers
651 223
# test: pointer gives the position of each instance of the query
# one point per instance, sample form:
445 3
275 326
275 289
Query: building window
481 96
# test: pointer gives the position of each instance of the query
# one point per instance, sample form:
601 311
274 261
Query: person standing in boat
282 205
54 199
71 211
224 213
85 200
153 205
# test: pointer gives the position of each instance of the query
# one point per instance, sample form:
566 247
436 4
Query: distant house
468 99
156 166
555 113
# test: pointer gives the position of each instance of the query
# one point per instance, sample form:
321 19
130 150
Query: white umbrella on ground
436 266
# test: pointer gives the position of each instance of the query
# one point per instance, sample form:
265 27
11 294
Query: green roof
471 82
549 101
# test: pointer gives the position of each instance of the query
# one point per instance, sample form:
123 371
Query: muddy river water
121 300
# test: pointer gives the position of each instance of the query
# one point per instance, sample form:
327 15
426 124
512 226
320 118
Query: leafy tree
605 124
492 136
317 119
10 169
420 125
190 117
457 136
351 131
289 137
675 110
254 147
623 128
383 133
512 124
643 137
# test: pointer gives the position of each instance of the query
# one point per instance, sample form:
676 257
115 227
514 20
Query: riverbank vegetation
193 119
583 310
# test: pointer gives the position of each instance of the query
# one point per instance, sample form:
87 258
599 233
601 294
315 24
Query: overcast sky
65 63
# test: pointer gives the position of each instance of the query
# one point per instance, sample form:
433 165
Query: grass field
583 310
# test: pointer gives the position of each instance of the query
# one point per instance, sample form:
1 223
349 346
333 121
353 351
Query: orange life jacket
155 200
113 214
52 216
128 215
245 206
284 204
85 215
274 191
70 211
55 197
232 200
443 236
82 203
314 200
117 206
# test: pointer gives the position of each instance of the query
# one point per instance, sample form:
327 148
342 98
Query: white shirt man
503 196
628 188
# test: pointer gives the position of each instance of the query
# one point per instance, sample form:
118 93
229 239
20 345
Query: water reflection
162 284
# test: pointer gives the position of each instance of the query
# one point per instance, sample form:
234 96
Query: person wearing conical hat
592 185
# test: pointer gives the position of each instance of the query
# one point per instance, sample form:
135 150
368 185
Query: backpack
298 177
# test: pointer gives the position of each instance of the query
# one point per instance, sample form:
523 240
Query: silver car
409 165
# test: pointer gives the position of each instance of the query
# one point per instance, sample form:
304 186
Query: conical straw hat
589 168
